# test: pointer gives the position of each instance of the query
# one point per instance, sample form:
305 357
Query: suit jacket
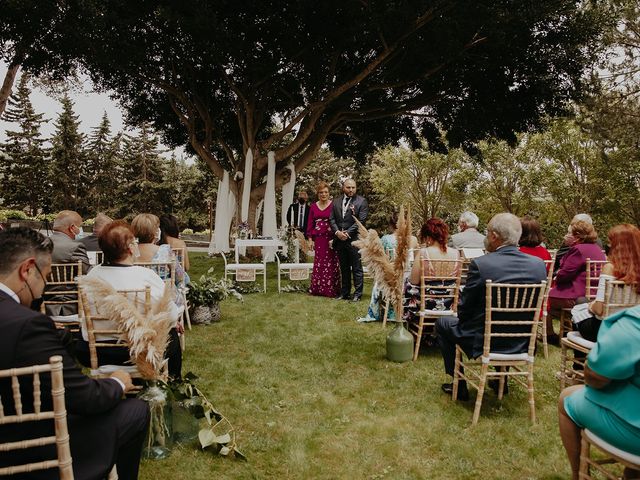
30 338
470 238
506 265
90 243
358 208
292 216
66 250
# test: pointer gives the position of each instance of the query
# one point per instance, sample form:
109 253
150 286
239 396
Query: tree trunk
7 85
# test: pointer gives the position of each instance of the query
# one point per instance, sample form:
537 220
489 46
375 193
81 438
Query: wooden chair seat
613 455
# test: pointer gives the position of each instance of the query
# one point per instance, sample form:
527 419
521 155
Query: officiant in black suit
344 210
103 427
298 213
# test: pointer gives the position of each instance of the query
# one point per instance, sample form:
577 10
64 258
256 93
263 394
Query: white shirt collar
9 292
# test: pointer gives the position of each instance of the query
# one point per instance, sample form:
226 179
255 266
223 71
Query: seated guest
503 264
608 404
146 228
66 249
566 242
103 427
91 241
469 237
571 278
119 247
623 265
531 239
433 234
170 234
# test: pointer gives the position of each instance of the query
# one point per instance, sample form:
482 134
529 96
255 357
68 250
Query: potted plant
205 296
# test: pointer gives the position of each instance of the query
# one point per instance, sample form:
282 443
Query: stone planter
204 315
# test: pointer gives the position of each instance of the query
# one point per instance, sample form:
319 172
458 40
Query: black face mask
302 201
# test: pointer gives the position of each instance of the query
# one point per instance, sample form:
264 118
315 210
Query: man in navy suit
344 210
503 263
104 428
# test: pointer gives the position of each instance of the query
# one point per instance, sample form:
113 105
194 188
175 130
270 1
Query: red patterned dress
325 281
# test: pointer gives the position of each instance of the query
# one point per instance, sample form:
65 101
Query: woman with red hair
434 235
623 265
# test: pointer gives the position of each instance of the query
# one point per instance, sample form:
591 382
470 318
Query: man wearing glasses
104 429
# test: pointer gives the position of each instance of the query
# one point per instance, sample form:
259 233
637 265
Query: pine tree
101 167
143 172
24 169
68 161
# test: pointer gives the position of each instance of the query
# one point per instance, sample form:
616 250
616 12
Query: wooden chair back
440 281
165 270
593 269
618 296
179 255
512 311
35 413
100 328
62 288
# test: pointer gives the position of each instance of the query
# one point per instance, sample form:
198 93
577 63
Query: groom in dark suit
344 210
103 427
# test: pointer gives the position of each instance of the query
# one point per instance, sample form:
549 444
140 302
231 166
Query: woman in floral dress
325 280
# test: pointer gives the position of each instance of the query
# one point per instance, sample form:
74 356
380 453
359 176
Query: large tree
225 76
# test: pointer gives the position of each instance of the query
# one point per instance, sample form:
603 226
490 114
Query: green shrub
187 231
12 215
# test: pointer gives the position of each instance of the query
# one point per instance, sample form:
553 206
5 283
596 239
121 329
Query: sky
89 106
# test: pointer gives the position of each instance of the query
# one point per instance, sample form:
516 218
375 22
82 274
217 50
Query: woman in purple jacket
571 279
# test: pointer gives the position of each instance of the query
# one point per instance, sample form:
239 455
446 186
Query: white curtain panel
246 186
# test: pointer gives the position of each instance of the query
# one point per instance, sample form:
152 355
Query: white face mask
80 233
158 235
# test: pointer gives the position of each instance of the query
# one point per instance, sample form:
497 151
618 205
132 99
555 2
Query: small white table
260 242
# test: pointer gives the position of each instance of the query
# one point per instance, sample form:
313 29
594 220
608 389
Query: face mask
301 200
134 248
158 235
80 233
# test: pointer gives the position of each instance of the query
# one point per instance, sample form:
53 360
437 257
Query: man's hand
180 327
125 378
341 235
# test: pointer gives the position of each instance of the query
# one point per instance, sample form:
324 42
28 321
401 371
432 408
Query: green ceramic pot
399 344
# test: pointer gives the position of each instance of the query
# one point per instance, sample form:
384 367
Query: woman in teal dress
375 311
609 404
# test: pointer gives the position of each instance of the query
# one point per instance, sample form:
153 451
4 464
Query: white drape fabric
270 222
225 209
246 186
288 192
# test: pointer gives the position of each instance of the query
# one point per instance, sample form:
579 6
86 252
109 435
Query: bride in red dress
325 280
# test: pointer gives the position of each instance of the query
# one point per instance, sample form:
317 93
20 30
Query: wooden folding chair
593 269
62 289
512 312
617 296
613 454
101 330
58 414
439 282
545 305
246 272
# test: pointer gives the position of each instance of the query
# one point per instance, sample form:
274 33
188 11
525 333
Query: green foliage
12 215
208 291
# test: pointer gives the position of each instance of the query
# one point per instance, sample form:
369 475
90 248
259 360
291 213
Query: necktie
345 204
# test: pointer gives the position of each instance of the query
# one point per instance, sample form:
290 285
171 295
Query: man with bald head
345 209
91 241
67 231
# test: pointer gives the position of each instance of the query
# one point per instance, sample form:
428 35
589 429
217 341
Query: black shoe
340 297
463 393
356 298
494 385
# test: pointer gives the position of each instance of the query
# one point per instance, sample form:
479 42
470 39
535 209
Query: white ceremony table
263 243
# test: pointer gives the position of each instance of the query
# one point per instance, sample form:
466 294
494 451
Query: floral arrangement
243 230
208 291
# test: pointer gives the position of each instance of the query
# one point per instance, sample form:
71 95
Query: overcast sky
88 105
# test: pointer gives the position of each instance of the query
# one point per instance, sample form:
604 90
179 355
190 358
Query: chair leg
187 315
456 375
583 472
530 390
279 274
386 313
416 348
545 344
481 384
563 365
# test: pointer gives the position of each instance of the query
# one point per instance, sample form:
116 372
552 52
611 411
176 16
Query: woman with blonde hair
326 271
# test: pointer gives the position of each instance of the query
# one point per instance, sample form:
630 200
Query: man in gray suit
344 210
91 241
66 249
503 263
469 237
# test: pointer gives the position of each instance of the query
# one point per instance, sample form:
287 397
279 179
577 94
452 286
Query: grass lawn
312 396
